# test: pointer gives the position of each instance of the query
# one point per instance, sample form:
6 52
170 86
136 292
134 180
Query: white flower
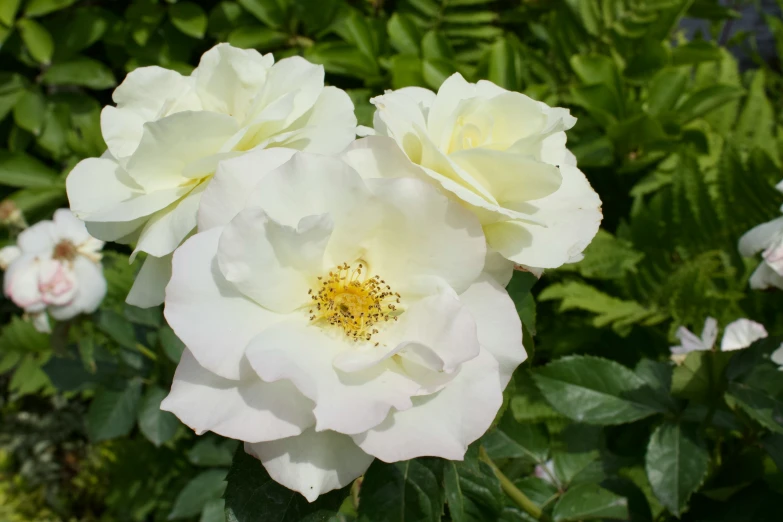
55 268
737 335
766 238
330 319
777 357
168 132
504 156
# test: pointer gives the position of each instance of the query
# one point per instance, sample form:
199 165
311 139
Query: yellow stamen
351 300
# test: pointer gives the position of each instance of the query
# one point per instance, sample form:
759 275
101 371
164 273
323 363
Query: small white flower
777 357
766 238
168 132
737 335
330 319
503 155
55 269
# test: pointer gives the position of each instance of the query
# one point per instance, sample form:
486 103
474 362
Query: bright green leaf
113 412
41 7
157 425
37 40
203 488
80 71
189 18
23 171
589 502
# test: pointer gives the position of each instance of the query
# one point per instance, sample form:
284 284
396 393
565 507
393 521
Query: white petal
295 77
130 212
760 237
380 157
8 255
498 325
38 239
328 127
443 424
169 145
741 334
312 463
212 318
710 332
70 227
424 233
764 277
571 215
443 111
233 182
20 284
690 342
40 322
510 178
168 227
777 356
309 185
90 292
499 268
348 403
247 409
149 287
227 79
97 184
398 114
273 264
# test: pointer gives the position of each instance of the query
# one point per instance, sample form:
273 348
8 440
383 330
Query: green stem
519 498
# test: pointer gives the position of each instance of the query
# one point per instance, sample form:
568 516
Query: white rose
766 238
738 335
504 156
54 268
329 320
168 132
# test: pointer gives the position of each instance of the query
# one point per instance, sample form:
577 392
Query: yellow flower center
351 300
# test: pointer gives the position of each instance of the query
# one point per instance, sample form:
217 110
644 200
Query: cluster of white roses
54 270
340 300
766 238
738 335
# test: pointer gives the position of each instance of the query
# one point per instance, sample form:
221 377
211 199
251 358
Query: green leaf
502 65
171 344
607 257
23 171
409 490
29 378
774 445
214 511
703 101
30 110
758 404
621 315
512 440
342 58
209 452
189 18
80 71
666 87
472 489
113 412
701 376
41 7
118 328
8 10
12 87
257 37
268 11
406 71
594 390
20 335
205 487
435 46
252 495
695 52
37 40
356 29
157 425
598 70
404 35
85 27
676 464
589 502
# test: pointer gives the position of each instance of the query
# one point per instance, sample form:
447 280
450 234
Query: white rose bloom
168 132
330 319
766 238
54 269
504 156
737 335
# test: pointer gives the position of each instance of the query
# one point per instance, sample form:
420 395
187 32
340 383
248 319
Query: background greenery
683 147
